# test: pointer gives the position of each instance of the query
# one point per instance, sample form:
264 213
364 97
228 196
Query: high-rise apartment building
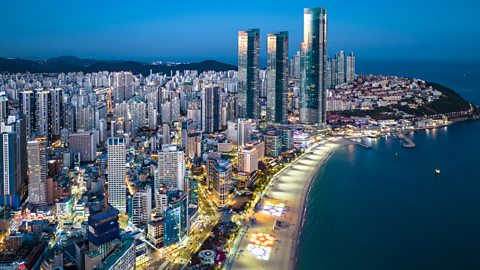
350 77
56 119
248 89
85 118
295 66
83 144
340 68
314 65
9 169
28 105
116 159
171 168
3 107
142 206
37 171
211 109
13 164
277 77
44 113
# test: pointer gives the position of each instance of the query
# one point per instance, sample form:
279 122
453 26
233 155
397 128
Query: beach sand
290 188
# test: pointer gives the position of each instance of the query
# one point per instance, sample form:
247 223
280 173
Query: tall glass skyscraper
313 67
176 220
277 76
248 103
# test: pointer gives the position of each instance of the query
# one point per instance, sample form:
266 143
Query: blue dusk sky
194 30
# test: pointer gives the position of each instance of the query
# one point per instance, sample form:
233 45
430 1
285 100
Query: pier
407 142
366 146
360 143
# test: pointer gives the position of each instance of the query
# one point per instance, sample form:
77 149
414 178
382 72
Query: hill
450 101
75 64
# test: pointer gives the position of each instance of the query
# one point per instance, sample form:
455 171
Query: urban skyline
212 167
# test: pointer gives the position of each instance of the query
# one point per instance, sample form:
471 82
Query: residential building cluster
372 92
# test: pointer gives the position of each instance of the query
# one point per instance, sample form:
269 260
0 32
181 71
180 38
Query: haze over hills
75 64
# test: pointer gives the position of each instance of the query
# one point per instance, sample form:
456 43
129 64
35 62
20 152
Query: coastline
291 188
289 242
301 218
434 150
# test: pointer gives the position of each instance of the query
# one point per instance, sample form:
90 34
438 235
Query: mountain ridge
74 64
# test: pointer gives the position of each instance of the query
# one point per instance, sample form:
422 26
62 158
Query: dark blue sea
385 208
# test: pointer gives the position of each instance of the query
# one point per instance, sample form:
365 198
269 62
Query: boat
437 171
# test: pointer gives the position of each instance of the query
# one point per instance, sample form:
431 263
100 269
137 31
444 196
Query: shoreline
289 242
304 206
291 188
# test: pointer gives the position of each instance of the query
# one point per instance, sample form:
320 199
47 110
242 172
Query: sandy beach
288 190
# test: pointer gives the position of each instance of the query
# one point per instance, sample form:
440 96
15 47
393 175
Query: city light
273 209
260 245
159 163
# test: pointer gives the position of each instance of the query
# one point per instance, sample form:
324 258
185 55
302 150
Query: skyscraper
340 68
166 136
194 145
152 116
3 107
295 66
221 182
37 168
176 220
27 107
13 164
142 206
117 195
273 143
350 67
314 65
44 113
171 168
9 170
330 74
83 144
287 138
85 118
248 103
166 112
277 77
211 162
244 131
56 120
211 109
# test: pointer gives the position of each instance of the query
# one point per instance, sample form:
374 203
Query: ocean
385 208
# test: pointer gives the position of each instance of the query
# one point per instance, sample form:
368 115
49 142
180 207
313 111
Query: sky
197 30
